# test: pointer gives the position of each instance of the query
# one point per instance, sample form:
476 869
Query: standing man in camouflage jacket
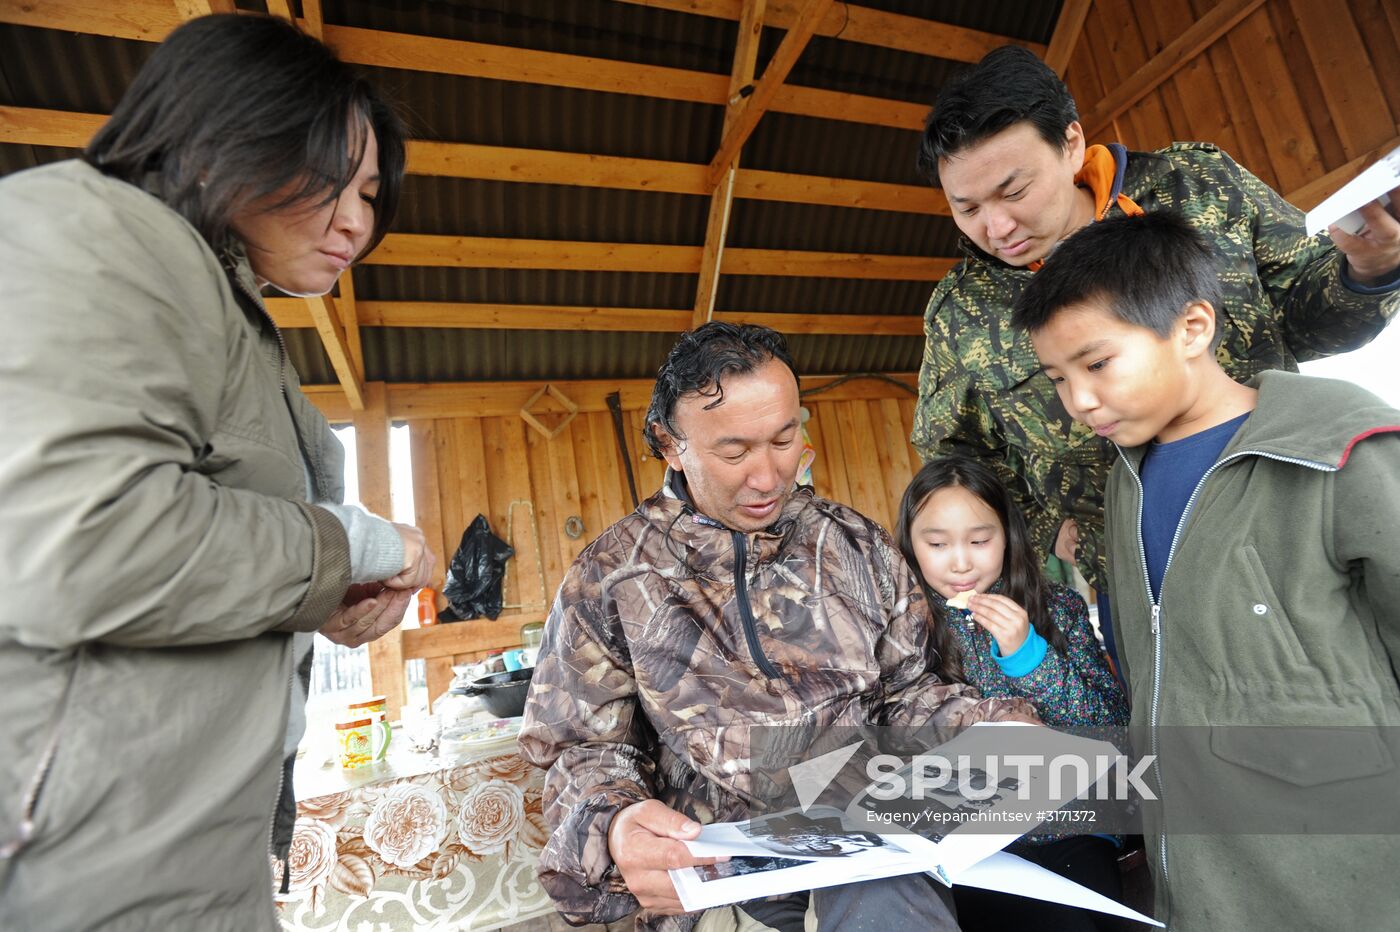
1005 143
729 599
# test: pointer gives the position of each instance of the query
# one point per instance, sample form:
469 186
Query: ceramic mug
518 659
371 706
362 741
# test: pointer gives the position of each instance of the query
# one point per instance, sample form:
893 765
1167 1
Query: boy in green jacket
1268 512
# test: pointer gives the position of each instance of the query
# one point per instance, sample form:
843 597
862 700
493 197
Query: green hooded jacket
981 391
1279 606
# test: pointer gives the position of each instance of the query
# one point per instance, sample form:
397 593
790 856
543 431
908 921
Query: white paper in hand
1341 208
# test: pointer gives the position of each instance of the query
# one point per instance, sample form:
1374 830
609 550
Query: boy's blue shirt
1170 473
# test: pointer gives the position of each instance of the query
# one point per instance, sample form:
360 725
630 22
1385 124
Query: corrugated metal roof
66 71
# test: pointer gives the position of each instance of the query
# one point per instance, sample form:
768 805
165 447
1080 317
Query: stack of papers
820 846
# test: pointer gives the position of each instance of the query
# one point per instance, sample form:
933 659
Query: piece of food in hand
960 599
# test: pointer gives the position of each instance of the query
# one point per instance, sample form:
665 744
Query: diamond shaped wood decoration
570 408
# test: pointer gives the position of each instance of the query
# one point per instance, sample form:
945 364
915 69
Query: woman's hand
418 561
1006 621
368 612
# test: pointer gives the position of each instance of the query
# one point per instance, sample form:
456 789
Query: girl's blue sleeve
1077 687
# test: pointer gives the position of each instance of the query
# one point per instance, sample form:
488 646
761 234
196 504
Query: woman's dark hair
1023 580
698 363
1009 85
234 108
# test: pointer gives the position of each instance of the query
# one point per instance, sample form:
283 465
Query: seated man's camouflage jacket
658 657
981 391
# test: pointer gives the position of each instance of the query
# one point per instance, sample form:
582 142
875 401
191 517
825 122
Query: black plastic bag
477 572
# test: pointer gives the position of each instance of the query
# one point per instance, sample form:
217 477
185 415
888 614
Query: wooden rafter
722 196
28 126
867 26
348 310
766 91
472 59
478 252
1067 29
313 19
189 9
151 20
293 314
1315 192
1210 27
327 322
33 127
407 401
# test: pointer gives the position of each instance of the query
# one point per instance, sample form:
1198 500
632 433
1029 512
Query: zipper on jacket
281 340
741 594
1156 604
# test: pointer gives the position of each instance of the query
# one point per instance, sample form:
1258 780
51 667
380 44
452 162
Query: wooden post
386 673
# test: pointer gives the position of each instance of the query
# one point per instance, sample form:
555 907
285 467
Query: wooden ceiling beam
327 322
189 9
1067 29
1195 40
142 20
313 20
752 109
1320 189
407 401
417 249
293 314
151 20
30 126
722 195
382 49
36 127
349 313
867 26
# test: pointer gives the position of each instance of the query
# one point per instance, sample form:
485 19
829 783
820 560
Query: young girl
1020 636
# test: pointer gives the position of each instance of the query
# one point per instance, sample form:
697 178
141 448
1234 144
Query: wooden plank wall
527 486
1299 92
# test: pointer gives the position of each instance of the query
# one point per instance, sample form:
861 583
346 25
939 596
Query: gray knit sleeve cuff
376 549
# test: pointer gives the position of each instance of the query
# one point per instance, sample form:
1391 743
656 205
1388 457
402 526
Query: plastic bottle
427 607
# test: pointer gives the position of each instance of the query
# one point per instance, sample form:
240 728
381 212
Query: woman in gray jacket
168 529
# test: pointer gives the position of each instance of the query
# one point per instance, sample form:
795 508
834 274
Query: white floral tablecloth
417 844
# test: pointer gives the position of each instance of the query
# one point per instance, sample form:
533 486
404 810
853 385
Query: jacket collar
708 544
1285 425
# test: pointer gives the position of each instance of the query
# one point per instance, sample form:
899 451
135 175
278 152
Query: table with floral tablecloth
417 843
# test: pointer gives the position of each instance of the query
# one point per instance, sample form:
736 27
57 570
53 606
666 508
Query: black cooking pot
503 693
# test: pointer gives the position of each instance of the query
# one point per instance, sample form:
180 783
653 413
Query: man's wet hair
1008 86
1143 270
698 364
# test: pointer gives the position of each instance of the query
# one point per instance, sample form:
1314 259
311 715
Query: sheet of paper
819 847
1380 178
740 879
1007 873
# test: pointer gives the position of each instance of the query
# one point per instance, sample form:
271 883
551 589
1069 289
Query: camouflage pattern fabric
981 391
646 685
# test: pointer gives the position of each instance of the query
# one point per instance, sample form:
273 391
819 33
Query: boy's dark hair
233 108
1023 580
1009 85
1143 270
698 363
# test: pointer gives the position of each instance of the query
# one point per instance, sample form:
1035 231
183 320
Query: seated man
728 599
